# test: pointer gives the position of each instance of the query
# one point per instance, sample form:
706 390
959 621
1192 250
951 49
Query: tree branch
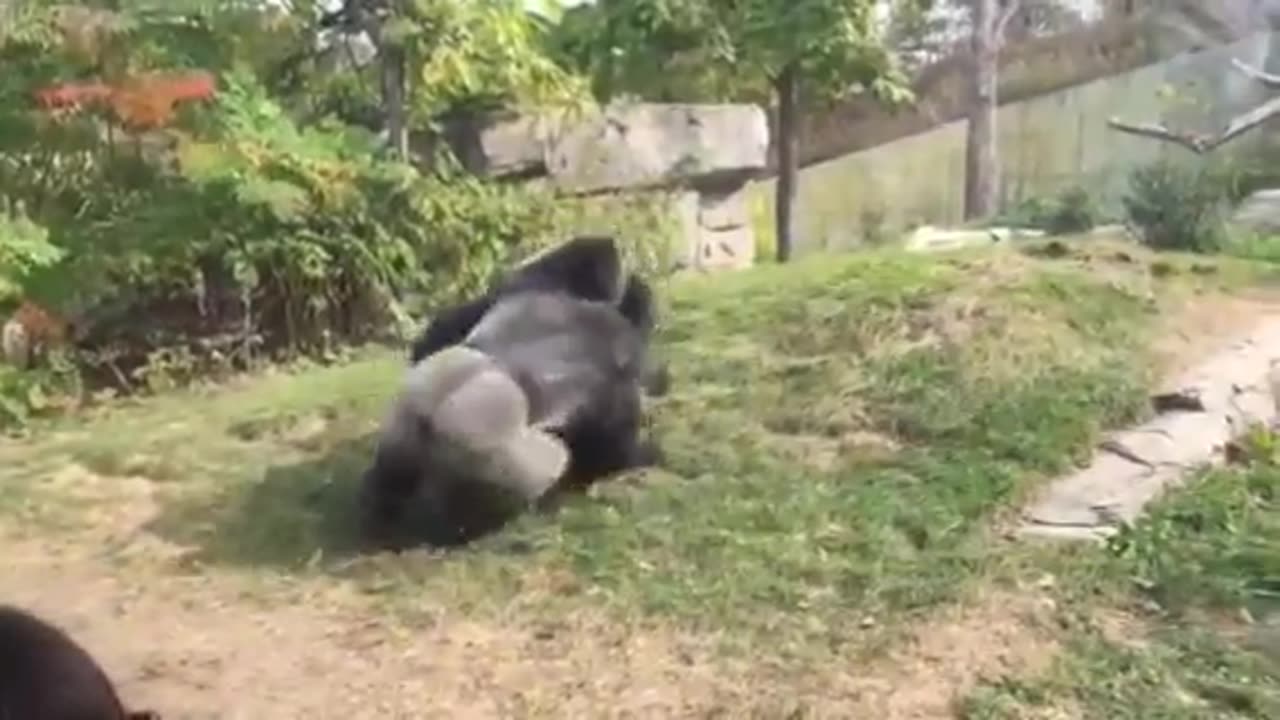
1194 143
1248 121
1266 78
1199 143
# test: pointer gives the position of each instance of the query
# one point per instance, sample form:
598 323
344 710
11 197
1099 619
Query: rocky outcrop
640 146
709 152
1259 213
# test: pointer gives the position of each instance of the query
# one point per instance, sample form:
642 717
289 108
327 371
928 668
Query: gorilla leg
600 449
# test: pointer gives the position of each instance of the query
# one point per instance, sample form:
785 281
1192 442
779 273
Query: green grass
1265 248
1202 573
842 433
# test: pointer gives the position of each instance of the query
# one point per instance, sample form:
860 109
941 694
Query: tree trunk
394 101
392 78
982 158
786 86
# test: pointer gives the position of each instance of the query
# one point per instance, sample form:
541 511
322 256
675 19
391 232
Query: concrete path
1132 467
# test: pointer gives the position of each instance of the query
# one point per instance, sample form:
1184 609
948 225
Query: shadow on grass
295 515
303 515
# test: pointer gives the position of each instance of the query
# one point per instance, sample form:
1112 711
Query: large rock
715 231
650 145
503 145
1260 212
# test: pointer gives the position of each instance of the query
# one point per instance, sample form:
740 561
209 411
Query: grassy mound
843 438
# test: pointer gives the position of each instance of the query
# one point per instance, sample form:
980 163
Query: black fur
45 675
564 352
587 267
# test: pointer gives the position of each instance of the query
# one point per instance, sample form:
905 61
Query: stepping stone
1133 467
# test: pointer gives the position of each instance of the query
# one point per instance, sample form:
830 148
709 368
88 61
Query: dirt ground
218 643
216 646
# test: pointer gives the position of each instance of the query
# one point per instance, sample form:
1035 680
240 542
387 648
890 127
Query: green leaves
24 248
478 53
729 49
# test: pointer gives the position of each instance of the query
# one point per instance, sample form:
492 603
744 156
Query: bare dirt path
215 645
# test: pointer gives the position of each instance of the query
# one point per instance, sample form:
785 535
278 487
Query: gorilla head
45 674
544 388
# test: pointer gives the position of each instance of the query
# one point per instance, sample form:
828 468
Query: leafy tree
788 52
437 56
932 29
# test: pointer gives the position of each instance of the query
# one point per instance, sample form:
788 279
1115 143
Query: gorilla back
587 267
555 368
44 674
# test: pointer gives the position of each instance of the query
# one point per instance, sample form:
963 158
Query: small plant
1073 210
874 230
27 394
1177 208
24 248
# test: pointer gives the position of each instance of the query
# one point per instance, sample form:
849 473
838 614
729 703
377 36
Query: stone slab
652 145
1136 465
732 249
1260 212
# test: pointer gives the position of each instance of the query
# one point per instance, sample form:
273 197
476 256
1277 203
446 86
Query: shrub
1075 211
24 249
1173 207
1072 210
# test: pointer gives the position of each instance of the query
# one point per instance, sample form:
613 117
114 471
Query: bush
24 249
1176 208
1072 210
247 236
252 237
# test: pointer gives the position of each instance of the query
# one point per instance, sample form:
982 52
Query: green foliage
302 226
26 394
237 230
24 249
698 50
1073 210
838 464
1218 543
1254 246
480 54
1198 581
1177 208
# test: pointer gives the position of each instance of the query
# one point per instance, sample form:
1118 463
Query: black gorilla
537 385
45 675
588 267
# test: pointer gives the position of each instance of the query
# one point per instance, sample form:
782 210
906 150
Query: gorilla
534 386
44 674
587 267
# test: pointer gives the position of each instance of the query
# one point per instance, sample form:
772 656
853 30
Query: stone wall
702 155
1046 143
1036 67
1132 35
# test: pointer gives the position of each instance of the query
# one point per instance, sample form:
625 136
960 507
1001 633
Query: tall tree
440 55
982 154
785 52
